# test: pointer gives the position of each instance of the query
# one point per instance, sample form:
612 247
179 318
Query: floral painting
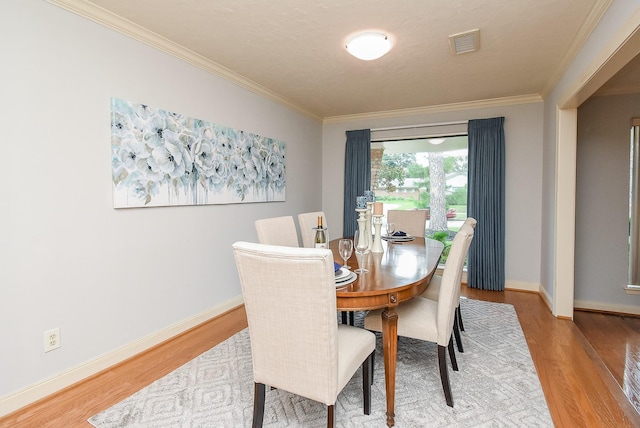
161 158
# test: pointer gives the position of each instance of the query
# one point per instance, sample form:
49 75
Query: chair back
307 222
277 231
449 296
290 300
470 221
412 222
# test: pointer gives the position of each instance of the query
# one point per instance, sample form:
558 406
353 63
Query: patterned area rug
497 386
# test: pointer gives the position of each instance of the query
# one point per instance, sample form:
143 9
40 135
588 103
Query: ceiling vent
469 41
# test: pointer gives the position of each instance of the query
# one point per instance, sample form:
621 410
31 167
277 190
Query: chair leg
459 313
452 355
444 374
373 364
258 404
367 375
345 316
352 318
331 416
456 332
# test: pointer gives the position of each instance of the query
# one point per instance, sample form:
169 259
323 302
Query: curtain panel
357 175
485 200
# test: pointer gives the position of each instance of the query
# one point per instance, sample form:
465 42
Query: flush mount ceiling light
436 141
368 46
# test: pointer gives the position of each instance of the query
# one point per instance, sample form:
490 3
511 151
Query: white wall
600 44
523 135
107 277
602 202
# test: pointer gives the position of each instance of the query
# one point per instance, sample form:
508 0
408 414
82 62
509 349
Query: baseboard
11 403
605 307
522 286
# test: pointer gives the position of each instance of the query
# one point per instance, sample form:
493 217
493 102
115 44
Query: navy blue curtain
485 203
357 175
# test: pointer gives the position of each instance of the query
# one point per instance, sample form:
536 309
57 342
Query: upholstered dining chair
413 222
432 321
307 222
277 231
296 343
433 291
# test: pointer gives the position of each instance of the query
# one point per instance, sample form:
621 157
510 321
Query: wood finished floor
581 379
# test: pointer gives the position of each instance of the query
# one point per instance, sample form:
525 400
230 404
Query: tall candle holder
362 221
377 241
368 230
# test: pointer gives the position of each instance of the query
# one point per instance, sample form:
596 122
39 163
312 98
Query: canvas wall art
161 158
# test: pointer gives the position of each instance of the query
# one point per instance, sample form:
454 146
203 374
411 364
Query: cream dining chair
277 231
412 222
432 321
296 343
307 222
433 291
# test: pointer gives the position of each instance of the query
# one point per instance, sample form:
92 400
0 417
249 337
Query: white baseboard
606 307
522 286
12 402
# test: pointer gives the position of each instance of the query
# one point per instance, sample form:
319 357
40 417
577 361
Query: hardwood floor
616 340
580 389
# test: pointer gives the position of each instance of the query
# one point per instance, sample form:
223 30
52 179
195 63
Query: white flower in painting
130 151
157 129
120 126
168 159
275 166
147 171
237 165
220 174
253 170
203 156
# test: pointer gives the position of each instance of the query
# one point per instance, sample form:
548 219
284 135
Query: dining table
399 273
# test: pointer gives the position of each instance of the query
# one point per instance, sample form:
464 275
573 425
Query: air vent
469 41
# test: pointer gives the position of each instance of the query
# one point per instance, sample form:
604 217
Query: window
424 173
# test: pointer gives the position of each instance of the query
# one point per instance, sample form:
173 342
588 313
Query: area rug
496 386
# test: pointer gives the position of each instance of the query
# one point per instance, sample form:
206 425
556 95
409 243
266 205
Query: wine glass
361 245
345 247
391 228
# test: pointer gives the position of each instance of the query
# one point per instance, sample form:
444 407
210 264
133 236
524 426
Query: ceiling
293 51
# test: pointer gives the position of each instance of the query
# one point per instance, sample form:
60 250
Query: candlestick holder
369 228
362 221
377 241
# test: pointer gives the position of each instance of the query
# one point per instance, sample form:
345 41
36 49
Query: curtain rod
425 125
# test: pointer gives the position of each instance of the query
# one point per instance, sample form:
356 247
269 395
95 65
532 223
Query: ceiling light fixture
436 141
368 46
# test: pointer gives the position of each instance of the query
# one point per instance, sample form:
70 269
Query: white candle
377 208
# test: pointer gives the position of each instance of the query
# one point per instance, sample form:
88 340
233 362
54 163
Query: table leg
390 350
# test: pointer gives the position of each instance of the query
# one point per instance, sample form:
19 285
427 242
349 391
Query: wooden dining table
401 272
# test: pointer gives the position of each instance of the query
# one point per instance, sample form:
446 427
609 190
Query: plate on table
347 279
404 238
342 273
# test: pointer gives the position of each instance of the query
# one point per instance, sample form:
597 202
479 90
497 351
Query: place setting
343 273
399 236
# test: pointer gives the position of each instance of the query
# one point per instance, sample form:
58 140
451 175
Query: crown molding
468 105
595 14
110 20
622 48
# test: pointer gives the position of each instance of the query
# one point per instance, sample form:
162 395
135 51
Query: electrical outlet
51 339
